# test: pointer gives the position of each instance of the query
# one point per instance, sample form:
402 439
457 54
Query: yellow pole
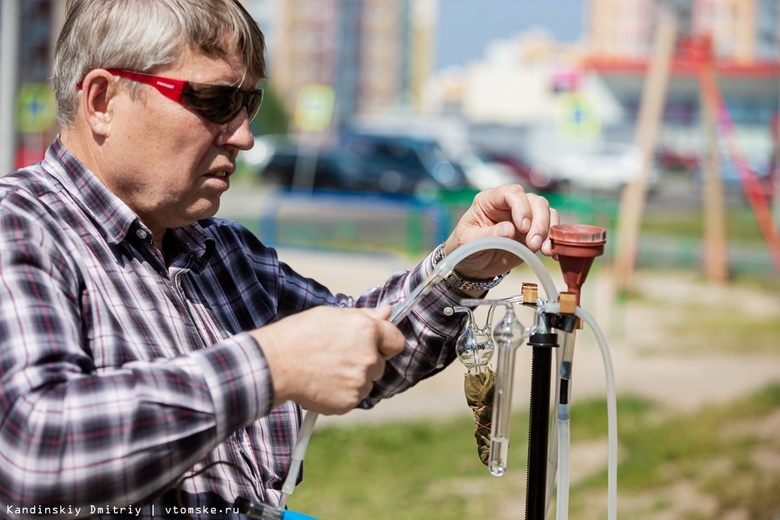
715 252
632 200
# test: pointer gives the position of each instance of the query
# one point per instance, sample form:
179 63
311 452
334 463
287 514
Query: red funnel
575 246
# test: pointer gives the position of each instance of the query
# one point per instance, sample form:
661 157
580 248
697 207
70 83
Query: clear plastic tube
299 453
562 506
449 262
565 362
612 432
439 273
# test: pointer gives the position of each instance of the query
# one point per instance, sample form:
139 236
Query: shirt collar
106 210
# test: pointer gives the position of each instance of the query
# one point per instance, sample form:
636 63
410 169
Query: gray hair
144 35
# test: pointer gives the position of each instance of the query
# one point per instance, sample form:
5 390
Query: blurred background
658 120
424 102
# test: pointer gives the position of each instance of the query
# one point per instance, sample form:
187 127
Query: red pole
724 125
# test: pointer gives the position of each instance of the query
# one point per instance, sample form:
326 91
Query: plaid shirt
121 375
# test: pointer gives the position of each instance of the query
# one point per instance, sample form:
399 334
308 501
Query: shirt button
142 234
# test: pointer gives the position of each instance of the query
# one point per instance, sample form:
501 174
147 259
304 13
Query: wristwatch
464 284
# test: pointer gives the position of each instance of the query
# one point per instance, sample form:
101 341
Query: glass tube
507 336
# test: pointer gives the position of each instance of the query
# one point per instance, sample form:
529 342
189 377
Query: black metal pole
539 420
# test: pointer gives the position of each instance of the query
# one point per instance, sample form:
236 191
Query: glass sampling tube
506 343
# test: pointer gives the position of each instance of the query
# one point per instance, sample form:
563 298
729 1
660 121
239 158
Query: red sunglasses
216 103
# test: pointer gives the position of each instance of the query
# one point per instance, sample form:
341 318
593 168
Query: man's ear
97 93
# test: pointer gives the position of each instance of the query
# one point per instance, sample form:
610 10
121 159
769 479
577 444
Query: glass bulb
510 330
474 349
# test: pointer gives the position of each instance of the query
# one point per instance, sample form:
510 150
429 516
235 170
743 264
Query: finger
521 209
391 342
555 219
377 370
383 312
540 223
364 391
503 229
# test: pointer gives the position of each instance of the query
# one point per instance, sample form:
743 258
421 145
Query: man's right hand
326 359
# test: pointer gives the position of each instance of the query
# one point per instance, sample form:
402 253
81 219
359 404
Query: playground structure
695 57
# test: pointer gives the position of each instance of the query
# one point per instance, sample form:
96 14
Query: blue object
294 515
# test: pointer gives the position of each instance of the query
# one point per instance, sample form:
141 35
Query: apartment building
375 54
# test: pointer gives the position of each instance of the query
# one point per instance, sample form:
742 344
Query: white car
605 166
482 173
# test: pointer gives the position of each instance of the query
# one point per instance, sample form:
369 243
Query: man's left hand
506 211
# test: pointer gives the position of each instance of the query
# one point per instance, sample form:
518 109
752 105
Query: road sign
315 107
578 118
35 108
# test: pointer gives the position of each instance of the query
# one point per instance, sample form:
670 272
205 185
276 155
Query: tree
272 117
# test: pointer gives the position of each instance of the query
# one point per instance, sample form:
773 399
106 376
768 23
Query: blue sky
466 26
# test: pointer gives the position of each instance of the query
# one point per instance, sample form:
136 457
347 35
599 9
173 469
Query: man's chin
204 209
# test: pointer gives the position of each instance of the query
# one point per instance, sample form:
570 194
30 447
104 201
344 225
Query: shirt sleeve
430 334
70 434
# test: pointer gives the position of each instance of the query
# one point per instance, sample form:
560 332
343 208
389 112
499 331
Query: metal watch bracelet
464 284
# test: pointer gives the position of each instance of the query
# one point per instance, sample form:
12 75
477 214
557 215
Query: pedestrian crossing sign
36 110
315 107
577 118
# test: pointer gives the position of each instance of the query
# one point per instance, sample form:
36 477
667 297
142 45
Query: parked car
603 167
396 165
402 164
265 146
482 172
676 160
321 169
532 179
282 162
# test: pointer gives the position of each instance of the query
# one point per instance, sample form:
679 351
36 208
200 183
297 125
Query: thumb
380 313
391 341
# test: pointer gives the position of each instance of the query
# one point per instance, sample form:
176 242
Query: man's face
169 164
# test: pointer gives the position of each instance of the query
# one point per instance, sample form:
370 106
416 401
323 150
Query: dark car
402 164
322 169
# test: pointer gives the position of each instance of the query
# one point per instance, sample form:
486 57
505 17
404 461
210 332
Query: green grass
425 469
749 334
718 450
430 470
740 222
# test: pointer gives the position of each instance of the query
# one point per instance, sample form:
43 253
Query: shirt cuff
239 381
431 308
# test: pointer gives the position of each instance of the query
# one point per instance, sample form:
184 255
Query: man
149 353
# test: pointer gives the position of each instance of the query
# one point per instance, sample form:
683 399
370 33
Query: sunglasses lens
253 102
220 104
